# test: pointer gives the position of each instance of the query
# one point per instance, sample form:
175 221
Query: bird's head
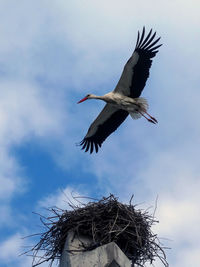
89 96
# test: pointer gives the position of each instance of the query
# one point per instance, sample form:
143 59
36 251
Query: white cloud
188 256
10 179
25 109
24 114
63 197
178 222
12 249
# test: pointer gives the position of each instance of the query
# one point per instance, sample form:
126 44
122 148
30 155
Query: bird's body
119 101
116 99
125 99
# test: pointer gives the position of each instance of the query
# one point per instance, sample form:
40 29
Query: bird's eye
88 95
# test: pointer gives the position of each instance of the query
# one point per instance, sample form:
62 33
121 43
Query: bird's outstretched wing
136 70
107 122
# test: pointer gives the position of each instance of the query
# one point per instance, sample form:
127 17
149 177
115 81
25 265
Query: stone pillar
109 255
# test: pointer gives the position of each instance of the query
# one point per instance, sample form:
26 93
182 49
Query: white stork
125 99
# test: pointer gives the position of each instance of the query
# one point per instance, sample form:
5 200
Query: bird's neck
98 97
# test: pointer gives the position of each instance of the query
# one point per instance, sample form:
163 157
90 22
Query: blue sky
52 53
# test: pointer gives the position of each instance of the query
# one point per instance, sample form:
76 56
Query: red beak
85 98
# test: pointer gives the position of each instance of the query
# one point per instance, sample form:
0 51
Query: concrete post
109 255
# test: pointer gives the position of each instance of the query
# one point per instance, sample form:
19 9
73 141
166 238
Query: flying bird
125 98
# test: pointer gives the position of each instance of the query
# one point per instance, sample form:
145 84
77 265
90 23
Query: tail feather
142 107
135 115
142 102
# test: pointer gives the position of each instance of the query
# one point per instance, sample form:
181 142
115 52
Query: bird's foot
151 120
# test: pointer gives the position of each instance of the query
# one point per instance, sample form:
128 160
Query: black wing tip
89 145
147 44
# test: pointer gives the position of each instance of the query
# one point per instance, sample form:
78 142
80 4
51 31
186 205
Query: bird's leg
150 120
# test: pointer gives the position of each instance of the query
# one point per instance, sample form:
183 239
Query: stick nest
103 221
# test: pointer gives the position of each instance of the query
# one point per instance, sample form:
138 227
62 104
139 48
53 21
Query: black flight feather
104 130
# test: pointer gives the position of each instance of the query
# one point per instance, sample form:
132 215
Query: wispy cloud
63 199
